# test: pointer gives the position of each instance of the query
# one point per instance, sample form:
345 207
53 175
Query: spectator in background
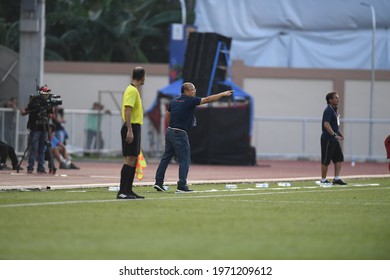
59 151
387 146
8 151
94 133
59 121
10 121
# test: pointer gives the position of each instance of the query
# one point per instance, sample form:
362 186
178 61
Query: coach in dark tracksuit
330 137
180 116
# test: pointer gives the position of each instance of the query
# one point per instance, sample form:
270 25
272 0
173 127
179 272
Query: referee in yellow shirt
132 116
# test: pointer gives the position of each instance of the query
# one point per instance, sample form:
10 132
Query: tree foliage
100 30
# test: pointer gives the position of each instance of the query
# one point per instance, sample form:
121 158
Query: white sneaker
326 183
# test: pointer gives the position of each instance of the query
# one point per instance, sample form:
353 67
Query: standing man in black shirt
330 137
180 116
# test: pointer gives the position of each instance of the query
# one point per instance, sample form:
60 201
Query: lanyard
337 115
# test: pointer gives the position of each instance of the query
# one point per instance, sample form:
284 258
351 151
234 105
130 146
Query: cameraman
39 115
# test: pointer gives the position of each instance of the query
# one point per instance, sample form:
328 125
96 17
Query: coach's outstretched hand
228 92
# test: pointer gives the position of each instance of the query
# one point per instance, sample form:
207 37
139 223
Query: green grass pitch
301 222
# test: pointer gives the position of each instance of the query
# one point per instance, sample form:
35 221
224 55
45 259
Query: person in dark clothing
180 116
60 132
8 151
330 137
38 125
10 121
387 146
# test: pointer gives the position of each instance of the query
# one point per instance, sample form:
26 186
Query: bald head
138 73
188 89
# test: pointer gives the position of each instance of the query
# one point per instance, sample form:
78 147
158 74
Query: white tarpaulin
300 33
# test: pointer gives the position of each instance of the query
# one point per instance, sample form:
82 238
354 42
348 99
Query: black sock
126 170
130 179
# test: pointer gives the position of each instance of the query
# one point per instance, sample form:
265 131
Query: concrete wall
79 83
282 99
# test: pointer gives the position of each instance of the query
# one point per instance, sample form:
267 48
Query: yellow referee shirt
131 97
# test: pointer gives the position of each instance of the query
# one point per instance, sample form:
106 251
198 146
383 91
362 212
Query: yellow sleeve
129 97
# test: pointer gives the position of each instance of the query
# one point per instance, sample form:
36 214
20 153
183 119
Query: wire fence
94 132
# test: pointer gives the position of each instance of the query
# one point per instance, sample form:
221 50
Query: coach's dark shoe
338 182
161 188
183 190
124 196
136 195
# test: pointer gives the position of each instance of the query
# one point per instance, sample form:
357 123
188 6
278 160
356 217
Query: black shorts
134 148
331 151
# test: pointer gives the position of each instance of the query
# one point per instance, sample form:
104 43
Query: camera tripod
45 122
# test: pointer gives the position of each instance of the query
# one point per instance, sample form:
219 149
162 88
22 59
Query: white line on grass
183 196
312 202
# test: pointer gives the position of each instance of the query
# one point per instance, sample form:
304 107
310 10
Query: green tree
101 30
9 24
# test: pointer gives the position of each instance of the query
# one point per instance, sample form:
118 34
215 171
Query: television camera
44 100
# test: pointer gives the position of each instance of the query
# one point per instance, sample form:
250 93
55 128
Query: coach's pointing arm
215 97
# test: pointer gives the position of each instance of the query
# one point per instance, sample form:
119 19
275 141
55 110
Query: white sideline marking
313 202
186 196
364 185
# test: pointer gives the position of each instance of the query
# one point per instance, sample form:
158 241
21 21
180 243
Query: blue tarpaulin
173 90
